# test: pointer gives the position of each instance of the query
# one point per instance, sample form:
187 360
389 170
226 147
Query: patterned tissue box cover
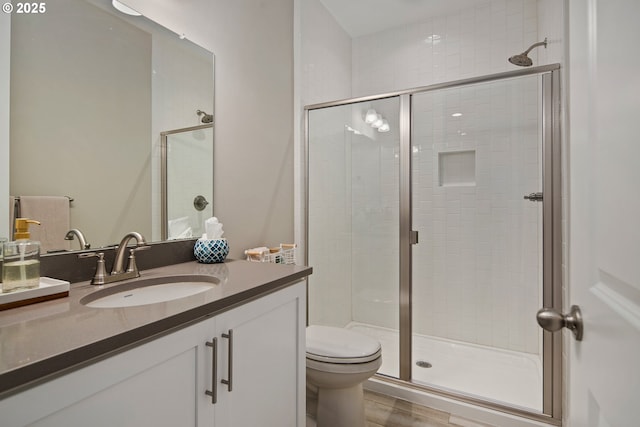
211 251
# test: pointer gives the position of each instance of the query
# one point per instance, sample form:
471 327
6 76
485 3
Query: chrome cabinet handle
214 371
229 382
551 320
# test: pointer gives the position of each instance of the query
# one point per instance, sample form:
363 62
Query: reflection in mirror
91 91
187 181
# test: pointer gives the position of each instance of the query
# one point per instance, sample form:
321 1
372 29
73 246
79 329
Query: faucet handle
132 267
101 271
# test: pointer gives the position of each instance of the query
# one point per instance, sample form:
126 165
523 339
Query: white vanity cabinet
169 381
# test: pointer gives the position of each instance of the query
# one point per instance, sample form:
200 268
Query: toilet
338 362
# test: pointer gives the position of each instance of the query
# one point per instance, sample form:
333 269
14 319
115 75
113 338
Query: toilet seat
329 344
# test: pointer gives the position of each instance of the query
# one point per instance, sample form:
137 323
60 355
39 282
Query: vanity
231 355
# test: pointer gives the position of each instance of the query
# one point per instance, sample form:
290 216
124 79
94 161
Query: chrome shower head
522 60
206 118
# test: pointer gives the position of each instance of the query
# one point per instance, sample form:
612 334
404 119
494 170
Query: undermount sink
150 291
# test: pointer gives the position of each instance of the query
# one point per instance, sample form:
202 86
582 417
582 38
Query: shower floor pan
502 376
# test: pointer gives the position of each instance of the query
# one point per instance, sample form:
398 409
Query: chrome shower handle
534 197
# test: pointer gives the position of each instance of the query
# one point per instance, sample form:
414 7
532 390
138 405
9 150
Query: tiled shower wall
473 42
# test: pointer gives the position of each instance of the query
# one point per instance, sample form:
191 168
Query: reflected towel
179 228
53 214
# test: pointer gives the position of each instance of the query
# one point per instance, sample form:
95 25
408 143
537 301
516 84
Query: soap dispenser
21 264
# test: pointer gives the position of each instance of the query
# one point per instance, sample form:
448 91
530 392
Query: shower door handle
534 197
552 320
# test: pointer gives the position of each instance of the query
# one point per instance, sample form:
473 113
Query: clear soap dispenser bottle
21 263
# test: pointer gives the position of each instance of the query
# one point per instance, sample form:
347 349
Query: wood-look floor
386 411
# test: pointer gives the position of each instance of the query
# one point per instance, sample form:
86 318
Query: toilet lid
339 345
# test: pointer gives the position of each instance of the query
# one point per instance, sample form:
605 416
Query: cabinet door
266 369
155 384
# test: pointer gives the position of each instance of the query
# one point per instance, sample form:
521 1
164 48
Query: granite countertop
49 338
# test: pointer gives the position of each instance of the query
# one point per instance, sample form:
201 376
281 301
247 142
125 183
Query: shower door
353 214
477 269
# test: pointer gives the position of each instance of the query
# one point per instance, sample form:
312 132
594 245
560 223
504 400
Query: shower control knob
534 197
551 320
200 203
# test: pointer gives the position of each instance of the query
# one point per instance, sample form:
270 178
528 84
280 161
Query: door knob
551 320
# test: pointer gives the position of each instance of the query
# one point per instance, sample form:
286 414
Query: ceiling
362 17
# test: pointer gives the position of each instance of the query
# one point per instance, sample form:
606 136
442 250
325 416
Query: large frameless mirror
92 89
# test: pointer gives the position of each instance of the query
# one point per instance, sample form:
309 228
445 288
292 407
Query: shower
429 247
206 118
522 60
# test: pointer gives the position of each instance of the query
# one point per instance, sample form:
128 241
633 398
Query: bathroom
264 79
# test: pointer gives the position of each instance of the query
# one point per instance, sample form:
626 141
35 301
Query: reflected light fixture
370 116
378 122
384 127
456 115
124 9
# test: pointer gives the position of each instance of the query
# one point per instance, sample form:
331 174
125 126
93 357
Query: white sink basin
150 291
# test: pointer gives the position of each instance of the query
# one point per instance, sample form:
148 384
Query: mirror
92 89
184 151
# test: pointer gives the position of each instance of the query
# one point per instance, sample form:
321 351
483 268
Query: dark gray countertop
50 338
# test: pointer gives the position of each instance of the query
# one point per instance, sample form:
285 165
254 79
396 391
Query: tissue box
211 251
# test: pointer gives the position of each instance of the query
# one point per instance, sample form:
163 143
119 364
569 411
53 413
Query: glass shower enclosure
186 177
427 230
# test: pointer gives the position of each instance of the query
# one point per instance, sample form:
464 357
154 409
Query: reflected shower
522 60
206 118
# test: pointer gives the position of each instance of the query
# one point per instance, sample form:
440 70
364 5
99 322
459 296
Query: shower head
206 118
522 60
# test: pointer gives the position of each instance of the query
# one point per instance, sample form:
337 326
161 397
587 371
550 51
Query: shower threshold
492 374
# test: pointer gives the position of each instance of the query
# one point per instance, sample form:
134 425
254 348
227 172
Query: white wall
253 167
325 56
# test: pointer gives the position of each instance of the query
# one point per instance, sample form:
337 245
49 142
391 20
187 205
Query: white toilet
338 362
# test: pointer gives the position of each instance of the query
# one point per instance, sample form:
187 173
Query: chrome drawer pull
214 371
229 382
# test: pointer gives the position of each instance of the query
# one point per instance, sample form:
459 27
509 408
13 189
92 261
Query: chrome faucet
118 264
81 239
117 272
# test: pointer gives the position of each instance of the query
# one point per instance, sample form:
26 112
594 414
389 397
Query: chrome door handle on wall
229 382
551 320
534 197
214 371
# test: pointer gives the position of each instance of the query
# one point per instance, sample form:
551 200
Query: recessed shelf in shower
457 168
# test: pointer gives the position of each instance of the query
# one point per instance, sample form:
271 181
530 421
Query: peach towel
53 214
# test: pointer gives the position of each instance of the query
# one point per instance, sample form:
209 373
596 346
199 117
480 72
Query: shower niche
456 168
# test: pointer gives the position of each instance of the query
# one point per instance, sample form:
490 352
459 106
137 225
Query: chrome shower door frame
552 234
